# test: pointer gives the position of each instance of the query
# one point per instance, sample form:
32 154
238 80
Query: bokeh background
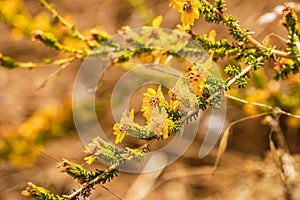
36 126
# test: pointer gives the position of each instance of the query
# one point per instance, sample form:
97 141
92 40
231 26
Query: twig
107 189
274 109
230 82
249 37
248 102
243 73
52 76
183 173
62 61
283 160
64 22
97 179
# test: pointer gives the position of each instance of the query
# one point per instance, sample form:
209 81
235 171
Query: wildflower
181 29
211 38
151 99
119 132
189 10
120 129
212 35
174 103
176 4
196 80
90 159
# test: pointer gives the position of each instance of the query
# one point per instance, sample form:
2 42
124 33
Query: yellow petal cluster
189 10
121 128
151 99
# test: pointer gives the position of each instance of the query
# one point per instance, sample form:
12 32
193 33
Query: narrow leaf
222 147
52 76
274 152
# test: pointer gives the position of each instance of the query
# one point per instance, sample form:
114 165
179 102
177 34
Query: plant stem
253 41
281 156
64 22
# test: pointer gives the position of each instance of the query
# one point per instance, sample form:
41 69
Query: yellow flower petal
165 134
132 114
157 21
150 92
174 104
120 137
177 4
116 127
90 159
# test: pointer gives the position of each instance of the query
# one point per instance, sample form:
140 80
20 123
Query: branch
246 35
243 73
282 158
96 180
10 63
71 27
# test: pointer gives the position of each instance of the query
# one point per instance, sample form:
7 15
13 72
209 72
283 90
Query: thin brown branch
282 158
107 189
52 76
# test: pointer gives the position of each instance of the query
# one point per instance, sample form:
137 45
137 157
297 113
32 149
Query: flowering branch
227 20
202 90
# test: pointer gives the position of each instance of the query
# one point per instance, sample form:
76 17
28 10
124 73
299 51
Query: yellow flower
121 128
164 133
176 4
189 10
174 103
181 29
152 98
211 37
90 159
119 132
196 80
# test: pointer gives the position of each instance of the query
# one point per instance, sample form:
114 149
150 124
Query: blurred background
36 125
